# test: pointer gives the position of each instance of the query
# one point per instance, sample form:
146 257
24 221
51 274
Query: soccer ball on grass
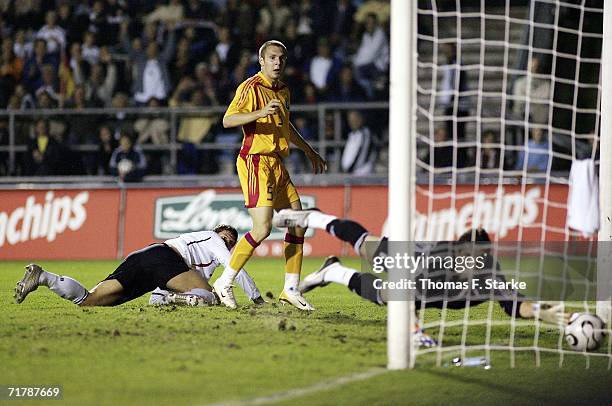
584 332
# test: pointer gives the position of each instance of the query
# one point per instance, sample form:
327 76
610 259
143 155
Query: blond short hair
270 43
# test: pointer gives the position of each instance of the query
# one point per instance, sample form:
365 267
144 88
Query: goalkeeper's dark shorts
144 270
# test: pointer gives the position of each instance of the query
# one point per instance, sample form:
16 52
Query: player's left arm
319 165
513 303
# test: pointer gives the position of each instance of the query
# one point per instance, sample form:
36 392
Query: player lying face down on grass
365 284
179 266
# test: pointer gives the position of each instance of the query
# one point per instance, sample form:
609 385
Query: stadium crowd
122 53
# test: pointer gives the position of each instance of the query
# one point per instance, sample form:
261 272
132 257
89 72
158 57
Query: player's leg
333 271
344 229
191 287
109 292
253 172
262 225
287 197
363 284
243 251
294 253
63 286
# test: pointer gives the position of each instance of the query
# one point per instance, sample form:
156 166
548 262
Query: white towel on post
583 198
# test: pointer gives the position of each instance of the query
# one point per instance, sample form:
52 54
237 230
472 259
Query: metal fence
325 118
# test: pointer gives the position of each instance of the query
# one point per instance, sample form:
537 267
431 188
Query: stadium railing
317 116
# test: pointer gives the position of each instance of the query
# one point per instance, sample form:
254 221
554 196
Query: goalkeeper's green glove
550 313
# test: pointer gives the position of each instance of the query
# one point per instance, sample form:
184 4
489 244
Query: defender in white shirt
204 252
180 266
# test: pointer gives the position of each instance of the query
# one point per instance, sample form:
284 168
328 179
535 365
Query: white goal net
508 103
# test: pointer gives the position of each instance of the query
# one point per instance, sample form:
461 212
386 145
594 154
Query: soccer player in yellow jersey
261 107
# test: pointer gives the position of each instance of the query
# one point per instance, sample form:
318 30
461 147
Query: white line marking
299 392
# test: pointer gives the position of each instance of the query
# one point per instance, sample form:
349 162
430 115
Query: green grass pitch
137 354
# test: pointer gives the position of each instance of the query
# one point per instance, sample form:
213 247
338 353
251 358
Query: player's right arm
238 119
243 279
242 110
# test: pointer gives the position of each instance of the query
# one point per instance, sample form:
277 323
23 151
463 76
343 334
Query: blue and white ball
584 332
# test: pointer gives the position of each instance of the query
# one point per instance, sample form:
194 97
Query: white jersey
204 251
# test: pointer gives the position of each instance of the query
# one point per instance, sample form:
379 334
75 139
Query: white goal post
402 150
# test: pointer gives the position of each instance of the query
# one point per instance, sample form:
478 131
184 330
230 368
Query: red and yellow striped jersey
268 135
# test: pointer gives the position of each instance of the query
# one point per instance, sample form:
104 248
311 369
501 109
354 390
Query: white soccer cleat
183 299
28 283
225 293
316 279
296 299
292 218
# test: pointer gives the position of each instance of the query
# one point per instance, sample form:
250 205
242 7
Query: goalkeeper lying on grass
365 284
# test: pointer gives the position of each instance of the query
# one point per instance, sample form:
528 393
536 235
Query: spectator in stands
10 71
54 35
119 122
310 94
372 59
44 153
116 12
106 145
22 48
196 130
32 71
360 151
128 161
101 84
67 21
442 154
306 14
153 130
89 50
79 68
323 67
489 154
204 80
45 101
152 77
150 33
342 23
453 100
272 19
97 17
49 83
183 63
225 48
536 155
82 126
245 68
534 89
24 100
11 64
346 89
